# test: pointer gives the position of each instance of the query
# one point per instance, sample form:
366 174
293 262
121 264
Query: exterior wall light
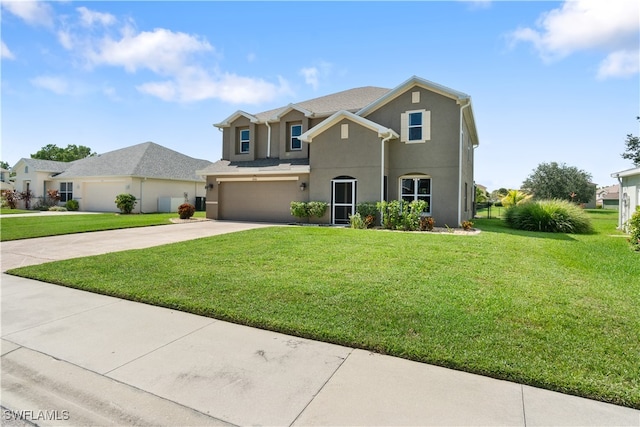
303 186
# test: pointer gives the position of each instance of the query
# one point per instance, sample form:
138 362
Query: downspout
460 162
382 170
141 181
620 200
268 139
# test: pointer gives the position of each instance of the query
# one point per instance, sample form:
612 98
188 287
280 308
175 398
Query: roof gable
227 122
408 84
382 131
148 160
39 165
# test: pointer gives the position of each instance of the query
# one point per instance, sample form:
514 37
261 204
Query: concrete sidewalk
83 358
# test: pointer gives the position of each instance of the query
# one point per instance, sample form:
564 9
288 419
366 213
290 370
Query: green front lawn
52 225
551 310
7 211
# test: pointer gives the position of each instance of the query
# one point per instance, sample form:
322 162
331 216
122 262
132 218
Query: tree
559 181
4 165
632 151
69 154
514 197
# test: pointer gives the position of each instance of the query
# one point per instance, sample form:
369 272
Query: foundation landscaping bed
552 310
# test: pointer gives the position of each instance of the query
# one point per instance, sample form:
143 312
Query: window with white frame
296 131
66 191
416 188
415 126
244 140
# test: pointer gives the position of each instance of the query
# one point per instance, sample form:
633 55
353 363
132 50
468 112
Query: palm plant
515 197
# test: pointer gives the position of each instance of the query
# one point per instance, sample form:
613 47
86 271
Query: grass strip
52 225
555 311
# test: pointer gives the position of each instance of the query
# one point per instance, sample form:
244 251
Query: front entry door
343 203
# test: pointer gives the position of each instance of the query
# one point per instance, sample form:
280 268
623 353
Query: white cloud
195 84
622 63
5 53
55 84
310 76
89 17
584 25
162 51
32 12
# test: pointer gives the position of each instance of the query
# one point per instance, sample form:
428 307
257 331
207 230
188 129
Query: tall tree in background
559 181
632 151
69 154
4 165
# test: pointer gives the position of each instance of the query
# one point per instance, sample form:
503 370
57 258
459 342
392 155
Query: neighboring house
629 196
159 178
361 145
607 197
5 183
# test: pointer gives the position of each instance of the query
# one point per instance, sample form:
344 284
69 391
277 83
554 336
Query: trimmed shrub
72 205
299 210
317 209
634 230
57 209
186 210
551 216
308 209
125 202
402 215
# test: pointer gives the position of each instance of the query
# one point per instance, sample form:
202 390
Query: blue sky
550 81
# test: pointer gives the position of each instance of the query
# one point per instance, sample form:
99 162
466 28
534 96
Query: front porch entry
343 199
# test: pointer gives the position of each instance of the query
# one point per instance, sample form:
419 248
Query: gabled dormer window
244 140
415 126
296 131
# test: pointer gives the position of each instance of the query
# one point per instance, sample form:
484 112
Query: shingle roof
257 166
142 160
46 165
350 100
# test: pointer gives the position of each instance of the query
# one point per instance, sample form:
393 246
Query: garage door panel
267 201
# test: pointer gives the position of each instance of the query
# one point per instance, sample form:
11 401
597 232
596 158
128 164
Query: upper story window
66 191
415 126
26 169
416 188
244 140
296 131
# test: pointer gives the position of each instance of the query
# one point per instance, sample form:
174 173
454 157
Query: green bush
308 209
552 216
72 205
356 221
299 210
317 209
402 215
634 230
186 210
369 212
125 202
57 209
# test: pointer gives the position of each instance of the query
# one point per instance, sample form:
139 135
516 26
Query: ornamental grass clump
551 216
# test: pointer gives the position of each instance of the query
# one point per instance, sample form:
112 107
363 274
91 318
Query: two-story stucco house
362 145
